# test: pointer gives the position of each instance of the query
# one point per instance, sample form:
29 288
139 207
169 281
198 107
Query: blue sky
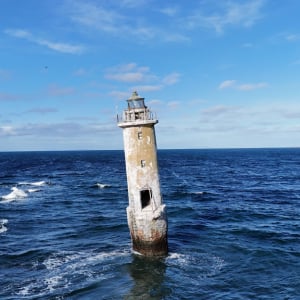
219 74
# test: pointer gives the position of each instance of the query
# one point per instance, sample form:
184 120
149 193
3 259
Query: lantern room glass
138 103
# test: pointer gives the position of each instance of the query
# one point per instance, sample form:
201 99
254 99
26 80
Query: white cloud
129 73
170 11
59 47
171 78
263 124
64 129
252 86
115 20
147 81
175 37
148 88
119 95
94 16
292 37
173 104
230 14
123 21
132 3
227 84
242 87
7 131
289 112
19 33
222 116
259 119
219 110
155 102
126 77
129 67
82 119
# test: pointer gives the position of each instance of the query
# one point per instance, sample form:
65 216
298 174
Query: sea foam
37 183
59 267
33 190
2 223
102 185
14 194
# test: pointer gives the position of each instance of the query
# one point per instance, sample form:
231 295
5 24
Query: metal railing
132 115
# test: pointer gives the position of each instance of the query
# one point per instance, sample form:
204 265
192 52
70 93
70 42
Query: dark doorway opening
145 198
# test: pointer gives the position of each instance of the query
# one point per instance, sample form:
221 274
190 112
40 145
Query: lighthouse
146 213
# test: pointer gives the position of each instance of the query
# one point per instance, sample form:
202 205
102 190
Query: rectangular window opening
143 163
145 198
140 135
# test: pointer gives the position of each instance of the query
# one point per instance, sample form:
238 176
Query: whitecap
178 258
61 267
55 282
106 256
25 291
80 259
15 194
204 265
2 227
102 186
36 183
33 190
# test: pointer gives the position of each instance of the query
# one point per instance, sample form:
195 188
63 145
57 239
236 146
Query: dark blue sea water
234 226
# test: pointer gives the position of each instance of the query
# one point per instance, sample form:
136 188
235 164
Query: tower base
148 230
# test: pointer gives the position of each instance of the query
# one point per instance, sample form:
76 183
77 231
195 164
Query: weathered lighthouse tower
146 214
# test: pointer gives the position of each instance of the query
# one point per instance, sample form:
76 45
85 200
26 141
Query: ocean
233 214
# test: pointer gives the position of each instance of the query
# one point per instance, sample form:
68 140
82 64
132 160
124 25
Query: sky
218 74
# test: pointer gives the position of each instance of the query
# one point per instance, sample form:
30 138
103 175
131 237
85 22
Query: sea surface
234 226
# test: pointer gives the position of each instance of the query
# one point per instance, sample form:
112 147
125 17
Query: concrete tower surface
146 214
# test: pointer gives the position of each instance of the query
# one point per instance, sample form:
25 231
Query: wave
33 190
2 223
64 269
37 183
195 266
198 193
18 193
102 185
14 195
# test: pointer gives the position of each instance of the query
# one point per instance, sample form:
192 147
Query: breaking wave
37 183
2 223
15 194
66 268
102 185
18 193
33 190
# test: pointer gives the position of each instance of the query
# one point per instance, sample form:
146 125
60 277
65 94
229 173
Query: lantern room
137 112
136 102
